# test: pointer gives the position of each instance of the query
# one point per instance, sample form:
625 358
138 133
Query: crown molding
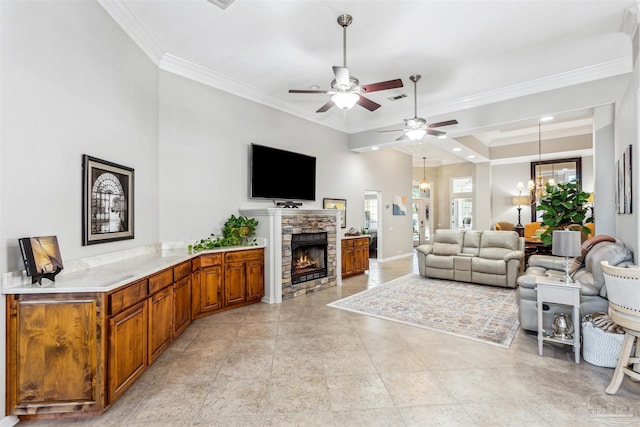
569 78
135 29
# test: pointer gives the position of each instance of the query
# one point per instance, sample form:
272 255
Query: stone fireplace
300 251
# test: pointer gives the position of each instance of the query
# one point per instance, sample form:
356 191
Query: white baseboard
9 421
395 257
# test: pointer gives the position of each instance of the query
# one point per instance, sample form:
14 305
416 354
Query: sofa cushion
448 236
471 242
446 248
490 266
499 239
435 261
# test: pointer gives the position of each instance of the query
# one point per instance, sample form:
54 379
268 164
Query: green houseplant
237 230
563 206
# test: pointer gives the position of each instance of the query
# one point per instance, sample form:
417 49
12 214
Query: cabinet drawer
195 264
210 259
347 243
125 298
243 255
181 270
160 281
362 242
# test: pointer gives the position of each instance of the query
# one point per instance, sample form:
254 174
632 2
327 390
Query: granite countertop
112 275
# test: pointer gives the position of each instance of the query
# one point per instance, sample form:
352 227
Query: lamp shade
566 243
520 200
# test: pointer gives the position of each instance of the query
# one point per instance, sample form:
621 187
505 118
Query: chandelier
537 188
424 185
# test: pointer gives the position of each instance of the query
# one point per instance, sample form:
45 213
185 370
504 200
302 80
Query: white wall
205 135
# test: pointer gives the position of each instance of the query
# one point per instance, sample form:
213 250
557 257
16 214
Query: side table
554 290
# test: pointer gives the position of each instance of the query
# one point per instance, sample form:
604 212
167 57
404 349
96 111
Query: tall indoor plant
562 206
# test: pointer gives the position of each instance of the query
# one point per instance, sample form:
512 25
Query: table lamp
566 243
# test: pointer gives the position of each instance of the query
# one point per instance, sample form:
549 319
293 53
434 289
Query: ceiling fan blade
367 103
401 137
391 84
391 130
342 76
306 91
325 107
440 124
435 132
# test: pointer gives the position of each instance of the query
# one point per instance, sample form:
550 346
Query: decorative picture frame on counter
107 201
340 204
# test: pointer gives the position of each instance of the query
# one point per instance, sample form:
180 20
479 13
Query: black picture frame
107 201
624 202
339 204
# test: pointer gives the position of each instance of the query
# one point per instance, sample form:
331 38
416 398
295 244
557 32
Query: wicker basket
600 348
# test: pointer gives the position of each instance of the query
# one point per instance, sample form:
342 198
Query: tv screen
282 175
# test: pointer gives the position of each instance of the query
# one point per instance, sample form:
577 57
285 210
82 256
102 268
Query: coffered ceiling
495 66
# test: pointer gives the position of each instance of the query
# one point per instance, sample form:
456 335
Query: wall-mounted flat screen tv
282 175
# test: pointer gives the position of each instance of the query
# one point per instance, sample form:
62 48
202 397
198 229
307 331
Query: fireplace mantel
270 228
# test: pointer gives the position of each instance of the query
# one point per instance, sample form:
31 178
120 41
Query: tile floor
302 363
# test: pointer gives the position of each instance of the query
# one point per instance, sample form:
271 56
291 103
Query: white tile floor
302 363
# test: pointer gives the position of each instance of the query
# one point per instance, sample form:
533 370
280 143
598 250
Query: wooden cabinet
55 357
244 276
227 280
79 352
355 256
127 348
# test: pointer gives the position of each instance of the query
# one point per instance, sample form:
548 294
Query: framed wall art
340 204
107 201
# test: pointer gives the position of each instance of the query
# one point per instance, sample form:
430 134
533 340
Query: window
371 214
462 185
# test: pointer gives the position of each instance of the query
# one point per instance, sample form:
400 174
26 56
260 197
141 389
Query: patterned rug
482 313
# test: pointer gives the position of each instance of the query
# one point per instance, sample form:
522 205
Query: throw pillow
446 248
578 262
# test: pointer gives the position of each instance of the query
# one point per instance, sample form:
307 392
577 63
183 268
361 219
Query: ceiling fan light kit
346 90
417 127
345 100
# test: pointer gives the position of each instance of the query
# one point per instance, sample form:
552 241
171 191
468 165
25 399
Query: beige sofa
483 257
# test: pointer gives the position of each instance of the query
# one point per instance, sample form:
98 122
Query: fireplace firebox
308 256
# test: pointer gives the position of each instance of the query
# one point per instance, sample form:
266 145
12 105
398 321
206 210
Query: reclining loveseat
482 257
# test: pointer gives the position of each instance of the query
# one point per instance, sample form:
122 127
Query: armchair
593 294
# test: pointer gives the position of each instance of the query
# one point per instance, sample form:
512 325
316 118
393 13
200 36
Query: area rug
482 313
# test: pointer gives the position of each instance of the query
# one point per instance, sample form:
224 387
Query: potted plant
236 231
563 206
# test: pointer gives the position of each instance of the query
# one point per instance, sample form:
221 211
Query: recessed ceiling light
442 136
546 118
314 87
457 149
471 156
374 148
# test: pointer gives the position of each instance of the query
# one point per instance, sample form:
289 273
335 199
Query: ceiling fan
345 89
417 127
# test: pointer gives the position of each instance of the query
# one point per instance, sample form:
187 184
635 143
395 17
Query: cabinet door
255 280
210 289
195 294
127 348
160 322
55 358
357 259
235 282
347 261
181 305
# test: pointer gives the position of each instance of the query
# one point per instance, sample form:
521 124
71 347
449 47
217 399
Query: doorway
372 221
422 222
